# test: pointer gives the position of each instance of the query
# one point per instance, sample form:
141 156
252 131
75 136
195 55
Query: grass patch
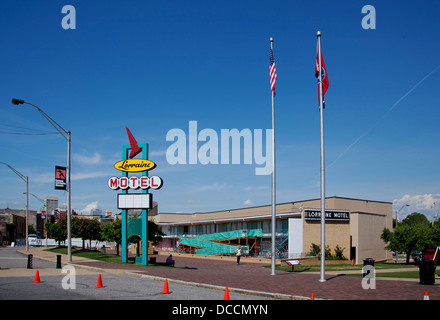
348 267
89 254
342 267
397 274
100 256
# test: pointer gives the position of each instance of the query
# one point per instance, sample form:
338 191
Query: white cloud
190 201
422 203
214 186
88 175
91 206
95 158
248 203
42 177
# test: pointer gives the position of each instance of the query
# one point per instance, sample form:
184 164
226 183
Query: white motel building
352 224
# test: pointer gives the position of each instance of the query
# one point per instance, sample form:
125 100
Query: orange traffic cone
426 296
226 296
37 277
312 297
165 287
99 284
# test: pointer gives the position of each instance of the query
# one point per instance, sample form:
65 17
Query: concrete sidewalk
256 279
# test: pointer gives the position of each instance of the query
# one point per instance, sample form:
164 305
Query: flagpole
321 109
273 179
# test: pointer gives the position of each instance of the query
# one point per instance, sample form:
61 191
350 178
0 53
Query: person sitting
170 260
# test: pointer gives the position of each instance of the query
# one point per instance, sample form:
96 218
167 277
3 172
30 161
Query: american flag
272 72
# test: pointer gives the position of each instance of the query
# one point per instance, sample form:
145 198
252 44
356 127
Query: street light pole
69 202
25 179
67 136
397 215
398 211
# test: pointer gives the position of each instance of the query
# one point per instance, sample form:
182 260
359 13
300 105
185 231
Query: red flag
324 77
134 146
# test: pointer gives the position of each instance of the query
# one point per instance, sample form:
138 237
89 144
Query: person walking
238 254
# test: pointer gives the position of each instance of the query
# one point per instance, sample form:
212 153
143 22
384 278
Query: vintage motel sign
142 200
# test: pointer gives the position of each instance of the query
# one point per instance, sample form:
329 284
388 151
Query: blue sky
155 66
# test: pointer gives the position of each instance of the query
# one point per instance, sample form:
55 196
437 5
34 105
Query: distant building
96 212
352 224
18 219
51 204
103 220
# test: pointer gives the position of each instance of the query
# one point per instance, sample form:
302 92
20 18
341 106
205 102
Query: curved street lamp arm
59 128
22 176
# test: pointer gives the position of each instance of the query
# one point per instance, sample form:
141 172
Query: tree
86 229
409 238
93 230
57 231
154 233
113 232
415 218
31 229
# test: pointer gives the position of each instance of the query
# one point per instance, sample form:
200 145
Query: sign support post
124 245
124 214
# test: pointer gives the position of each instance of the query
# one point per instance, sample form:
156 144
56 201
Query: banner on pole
60 178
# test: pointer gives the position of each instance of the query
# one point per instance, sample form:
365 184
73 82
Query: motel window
266 227
252 225
285 225
282 226
279 228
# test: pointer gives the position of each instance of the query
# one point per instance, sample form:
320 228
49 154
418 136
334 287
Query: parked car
34 240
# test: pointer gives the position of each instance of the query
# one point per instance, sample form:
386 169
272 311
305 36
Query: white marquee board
135 201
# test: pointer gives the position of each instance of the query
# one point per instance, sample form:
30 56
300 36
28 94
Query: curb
279 296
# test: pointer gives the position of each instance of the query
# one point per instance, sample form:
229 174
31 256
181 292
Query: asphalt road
16 283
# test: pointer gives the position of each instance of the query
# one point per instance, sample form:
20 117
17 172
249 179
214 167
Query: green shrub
339 253
315 250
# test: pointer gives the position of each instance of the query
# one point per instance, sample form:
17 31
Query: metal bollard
30 261
58 261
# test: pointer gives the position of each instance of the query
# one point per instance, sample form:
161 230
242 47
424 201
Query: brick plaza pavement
294 285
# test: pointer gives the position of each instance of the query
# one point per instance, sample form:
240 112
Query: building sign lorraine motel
142 200
330 215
